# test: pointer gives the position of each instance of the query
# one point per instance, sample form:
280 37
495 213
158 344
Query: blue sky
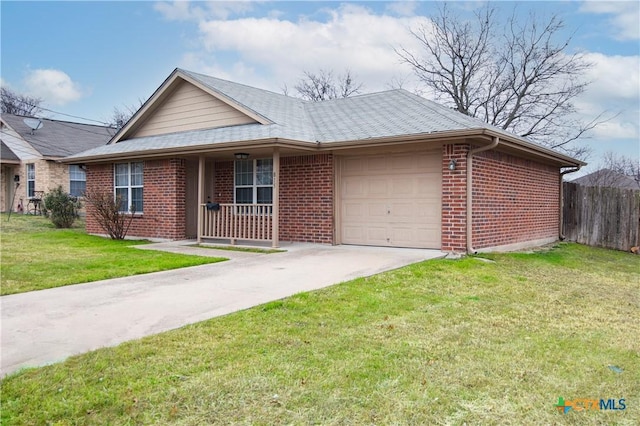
85 58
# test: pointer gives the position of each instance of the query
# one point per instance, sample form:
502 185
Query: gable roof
59 138
609 178
328 124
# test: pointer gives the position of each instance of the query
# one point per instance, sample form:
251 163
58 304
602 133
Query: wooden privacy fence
601 216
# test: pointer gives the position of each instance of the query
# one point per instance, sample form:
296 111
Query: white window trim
129 186
254 187
31 166
71 166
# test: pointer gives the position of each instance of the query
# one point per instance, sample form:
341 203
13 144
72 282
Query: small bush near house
108 213
62 208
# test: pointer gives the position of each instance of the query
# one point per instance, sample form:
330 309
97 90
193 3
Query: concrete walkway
47 326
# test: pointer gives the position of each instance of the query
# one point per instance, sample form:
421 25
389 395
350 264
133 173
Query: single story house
208 158
31 152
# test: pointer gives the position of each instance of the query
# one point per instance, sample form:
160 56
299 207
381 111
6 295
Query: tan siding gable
190 108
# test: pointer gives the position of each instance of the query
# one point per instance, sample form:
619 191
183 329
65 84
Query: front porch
241 219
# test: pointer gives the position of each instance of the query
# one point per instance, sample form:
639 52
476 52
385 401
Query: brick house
31 158
208 158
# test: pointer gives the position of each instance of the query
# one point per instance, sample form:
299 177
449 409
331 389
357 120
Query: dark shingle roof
609 178
60 138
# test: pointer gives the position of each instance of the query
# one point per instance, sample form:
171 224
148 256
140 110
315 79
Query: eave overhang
474 136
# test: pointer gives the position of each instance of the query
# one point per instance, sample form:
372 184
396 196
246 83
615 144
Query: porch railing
237 222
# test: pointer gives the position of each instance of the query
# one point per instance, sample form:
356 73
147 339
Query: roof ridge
271 92
59 121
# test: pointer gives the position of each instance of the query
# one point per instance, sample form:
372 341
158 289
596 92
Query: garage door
391 200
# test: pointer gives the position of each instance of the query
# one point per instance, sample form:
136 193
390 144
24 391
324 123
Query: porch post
276 198
200 196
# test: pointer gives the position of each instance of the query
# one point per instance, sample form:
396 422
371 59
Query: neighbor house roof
608 177
316 125
57 138
8 156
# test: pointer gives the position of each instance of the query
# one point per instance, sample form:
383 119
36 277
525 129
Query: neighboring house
9 162
210 158
608 177
31 158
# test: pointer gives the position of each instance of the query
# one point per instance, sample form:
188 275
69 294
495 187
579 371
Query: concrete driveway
47 326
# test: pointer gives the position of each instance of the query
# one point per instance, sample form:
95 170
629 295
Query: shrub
61 207
107 211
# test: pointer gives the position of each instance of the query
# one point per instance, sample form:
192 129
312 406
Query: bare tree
15 103
521 80
121 117
324 85
109 213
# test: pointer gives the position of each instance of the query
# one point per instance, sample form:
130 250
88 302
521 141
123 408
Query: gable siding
190 108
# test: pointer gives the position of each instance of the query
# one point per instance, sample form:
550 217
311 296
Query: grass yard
34 256
439 342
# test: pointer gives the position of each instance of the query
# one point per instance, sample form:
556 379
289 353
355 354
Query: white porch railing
237 222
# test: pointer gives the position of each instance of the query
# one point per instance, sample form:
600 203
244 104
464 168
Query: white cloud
188 11
53 86
615 88
270 52
625 17
402 8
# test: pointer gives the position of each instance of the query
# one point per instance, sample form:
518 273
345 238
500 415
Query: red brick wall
223 181
163 203
514 200
306 198
99 178
454 198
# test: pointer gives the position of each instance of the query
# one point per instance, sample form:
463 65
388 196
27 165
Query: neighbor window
31 180
129 186
254 181
77 180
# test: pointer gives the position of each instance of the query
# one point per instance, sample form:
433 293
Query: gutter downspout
470 154
561 235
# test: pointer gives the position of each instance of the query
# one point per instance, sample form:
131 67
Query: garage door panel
377 211
392 200
354 232
378 187
354 165
354 187
352 212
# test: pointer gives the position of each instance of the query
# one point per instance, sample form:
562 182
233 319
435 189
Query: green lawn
439 342
35 256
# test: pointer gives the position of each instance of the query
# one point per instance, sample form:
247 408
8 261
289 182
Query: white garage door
392 200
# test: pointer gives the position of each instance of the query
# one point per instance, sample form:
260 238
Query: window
254 181
77 180
31 180
128 182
